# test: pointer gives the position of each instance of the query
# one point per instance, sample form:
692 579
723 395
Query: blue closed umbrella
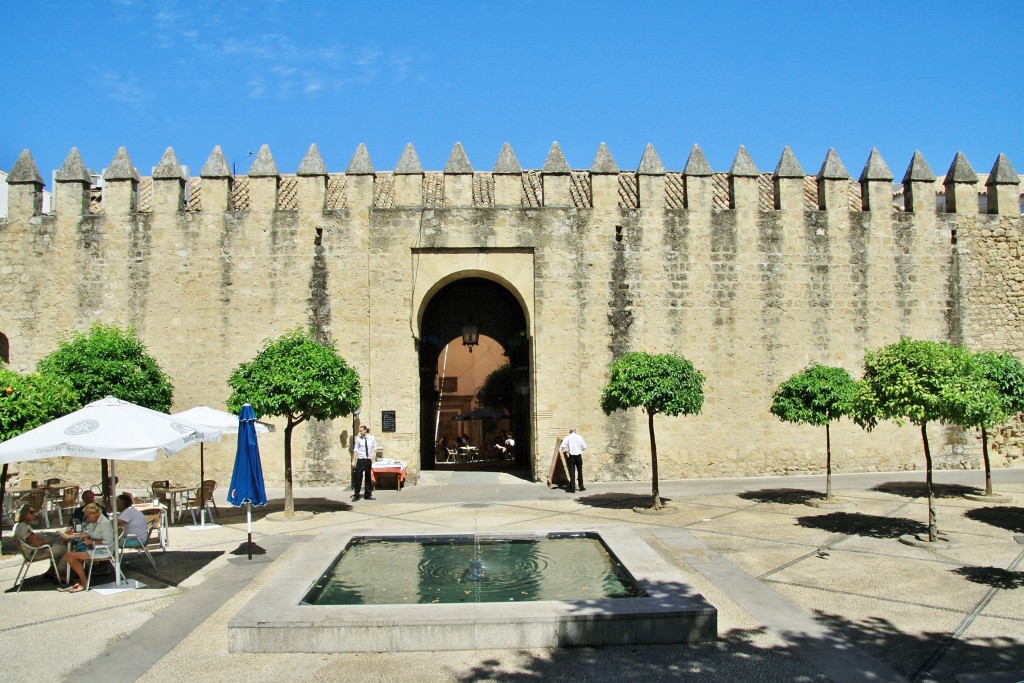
247 477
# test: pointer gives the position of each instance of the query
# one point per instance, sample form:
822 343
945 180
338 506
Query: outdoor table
468 453
395 467
163 534
174 498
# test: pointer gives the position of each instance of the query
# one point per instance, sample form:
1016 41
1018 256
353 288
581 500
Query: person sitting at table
23 533
88 498
97 545
132 520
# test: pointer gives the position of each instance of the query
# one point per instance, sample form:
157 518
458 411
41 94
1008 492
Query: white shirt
365 446
574 443
135 523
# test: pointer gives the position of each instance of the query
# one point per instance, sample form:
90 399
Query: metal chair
30 554
138 543
66 501
202 498
93 559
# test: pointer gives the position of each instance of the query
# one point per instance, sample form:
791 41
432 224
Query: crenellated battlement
507 185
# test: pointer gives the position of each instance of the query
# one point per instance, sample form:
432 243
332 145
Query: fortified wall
751 275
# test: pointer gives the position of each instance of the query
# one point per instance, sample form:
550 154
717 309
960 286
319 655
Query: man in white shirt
362 460
574 445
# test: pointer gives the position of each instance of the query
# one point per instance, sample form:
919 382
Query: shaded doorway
474 337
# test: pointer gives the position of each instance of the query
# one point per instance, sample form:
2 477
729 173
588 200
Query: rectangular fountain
455 594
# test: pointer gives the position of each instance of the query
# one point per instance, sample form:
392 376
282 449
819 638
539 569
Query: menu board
387 421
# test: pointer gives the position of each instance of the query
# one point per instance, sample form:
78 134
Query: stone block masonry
750 275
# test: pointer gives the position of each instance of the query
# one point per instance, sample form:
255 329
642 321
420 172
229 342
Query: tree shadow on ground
784 496
173 567
749 654
618 501
918 489
859 524
1009 517
232 515
992 576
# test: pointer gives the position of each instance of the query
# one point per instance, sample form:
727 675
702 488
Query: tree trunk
655 495
289 502
105 485
828 463
933 528
3 495
988 468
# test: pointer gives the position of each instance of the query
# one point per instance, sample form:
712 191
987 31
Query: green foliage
916 381
496 392
996 393
33 400
658 383
297 377
816 396
109 361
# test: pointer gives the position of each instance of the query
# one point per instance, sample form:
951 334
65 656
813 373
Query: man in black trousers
362 460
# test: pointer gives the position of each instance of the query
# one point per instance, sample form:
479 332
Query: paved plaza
803 594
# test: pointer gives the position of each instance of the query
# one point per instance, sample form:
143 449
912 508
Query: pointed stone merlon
650 180
409 178
264 181
216 182
743 178
311 179
604 180
833 184
555 178
73 186
697 181
168 185
961 186
120 185
458 178
508 178
359 178
876 184
788 181
1003 188
919 186
25 188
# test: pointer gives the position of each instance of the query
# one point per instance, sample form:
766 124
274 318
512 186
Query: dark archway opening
450 386
5 350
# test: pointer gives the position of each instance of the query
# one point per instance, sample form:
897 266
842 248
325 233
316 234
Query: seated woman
98 545
23 532
132 520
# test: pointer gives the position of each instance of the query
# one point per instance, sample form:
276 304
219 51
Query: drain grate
477 505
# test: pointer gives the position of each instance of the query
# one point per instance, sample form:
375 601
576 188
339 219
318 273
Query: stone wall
750 275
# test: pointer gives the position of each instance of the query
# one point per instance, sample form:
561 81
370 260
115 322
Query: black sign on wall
387 421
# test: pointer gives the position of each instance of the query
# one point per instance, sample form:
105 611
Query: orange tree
299 378
817 395
657 383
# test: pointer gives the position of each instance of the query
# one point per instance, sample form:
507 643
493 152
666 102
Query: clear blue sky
936 76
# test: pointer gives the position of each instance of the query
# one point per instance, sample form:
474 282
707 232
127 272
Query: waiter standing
574 445
362 460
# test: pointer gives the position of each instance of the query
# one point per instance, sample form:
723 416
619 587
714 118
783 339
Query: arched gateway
468 312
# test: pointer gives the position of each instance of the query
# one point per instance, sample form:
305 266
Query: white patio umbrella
109 428
225 423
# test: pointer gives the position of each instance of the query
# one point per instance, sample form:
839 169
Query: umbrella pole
202 478
117 529
248 525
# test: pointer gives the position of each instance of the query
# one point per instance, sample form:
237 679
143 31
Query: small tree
298 378
657 383
992 398
916 381
496 391
817 395
28 401
109 361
